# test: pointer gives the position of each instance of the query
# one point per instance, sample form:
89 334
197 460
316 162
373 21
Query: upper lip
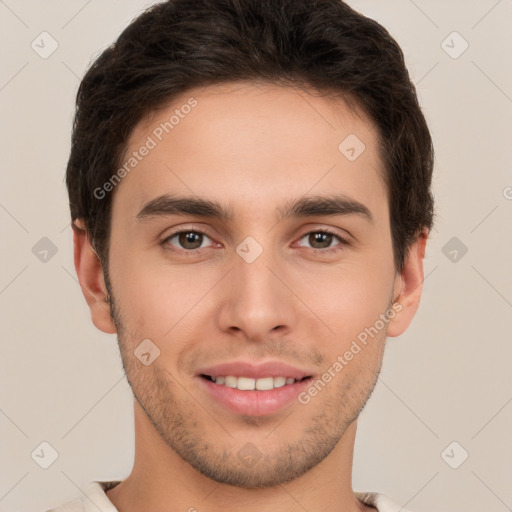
255 370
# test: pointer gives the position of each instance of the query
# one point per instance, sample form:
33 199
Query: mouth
260 392
253 388
252 384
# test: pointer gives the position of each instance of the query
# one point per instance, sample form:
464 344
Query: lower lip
254 402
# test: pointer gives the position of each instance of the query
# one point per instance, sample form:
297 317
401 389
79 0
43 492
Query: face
223 288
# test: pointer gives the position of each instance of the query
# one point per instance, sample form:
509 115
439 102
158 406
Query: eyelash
193 252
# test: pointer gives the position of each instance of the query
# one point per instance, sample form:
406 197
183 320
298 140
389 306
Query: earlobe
412 286
90 275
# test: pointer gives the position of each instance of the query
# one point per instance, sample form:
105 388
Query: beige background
446 379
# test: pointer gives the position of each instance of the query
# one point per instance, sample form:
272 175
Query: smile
250 384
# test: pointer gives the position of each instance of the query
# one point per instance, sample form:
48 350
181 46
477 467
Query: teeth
279 382
265 383
230 381
245 383
249 384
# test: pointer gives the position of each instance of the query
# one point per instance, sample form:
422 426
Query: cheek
350 296
352 308
159 300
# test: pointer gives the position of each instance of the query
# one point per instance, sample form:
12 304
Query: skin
252 147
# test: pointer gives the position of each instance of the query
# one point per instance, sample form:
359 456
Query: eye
321 240
188 240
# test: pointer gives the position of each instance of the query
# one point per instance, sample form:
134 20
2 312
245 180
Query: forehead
253 142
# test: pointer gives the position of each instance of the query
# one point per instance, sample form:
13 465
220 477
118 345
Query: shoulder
71 506
381 502
93 498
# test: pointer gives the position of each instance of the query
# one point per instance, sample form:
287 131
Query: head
251 106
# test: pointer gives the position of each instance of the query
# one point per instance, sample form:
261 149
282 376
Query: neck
160 477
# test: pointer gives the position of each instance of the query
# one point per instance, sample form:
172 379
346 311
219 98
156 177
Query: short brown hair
179 44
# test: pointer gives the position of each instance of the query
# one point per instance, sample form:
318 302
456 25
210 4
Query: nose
257 299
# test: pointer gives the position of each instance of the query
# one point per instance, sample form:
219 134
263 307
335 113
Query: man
249 184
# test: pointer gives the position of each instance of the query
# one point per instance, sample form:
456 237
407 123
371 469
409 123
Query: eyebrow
309 206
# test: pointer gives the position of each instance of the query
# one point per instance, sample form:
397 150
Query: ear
90 275
411 278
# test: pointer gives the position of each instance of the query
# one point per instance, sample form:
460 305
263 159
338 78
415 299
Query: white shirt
96 500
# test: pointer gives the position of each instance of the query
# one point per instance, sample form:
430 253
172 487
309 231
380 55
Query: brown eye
322 241
187 240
